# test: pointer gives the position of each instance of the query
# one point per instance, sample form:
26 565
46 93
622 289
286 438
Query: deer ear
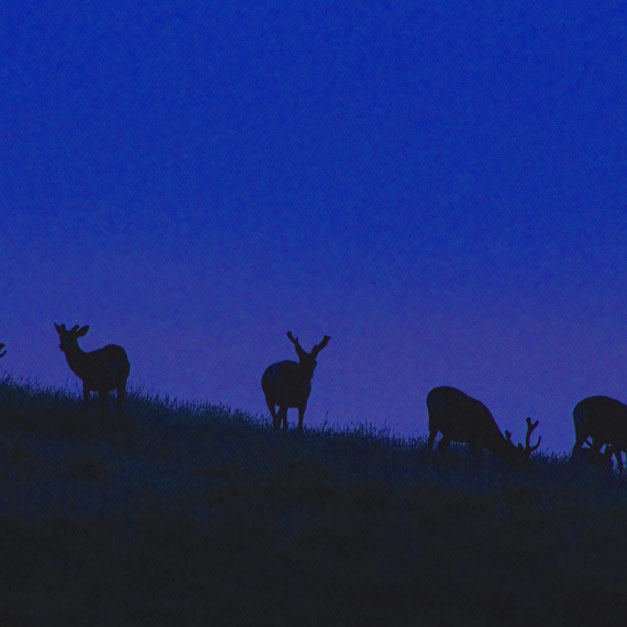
59 328
82 331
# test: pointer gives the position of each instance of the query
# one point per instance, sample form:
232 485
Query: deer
101 370
461 418
2 351
288 383
604 420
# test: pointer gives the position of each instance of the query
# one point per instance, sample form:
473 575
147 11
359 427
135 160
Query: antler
318 347
2 352
530 427
527 449
294 340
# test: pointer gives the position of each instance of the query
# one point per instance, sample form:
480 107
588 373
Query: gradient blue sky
438 186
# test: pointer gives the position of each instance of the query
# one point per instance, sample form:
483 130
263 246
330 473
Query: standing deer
2 351
461 418
101 370
604 419
288 383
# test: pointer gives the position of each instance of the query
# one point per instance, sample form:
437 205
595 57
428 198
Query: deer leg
282 418
119 398
272 409
104 401
85 396
301 415
619 460
578 444
432 434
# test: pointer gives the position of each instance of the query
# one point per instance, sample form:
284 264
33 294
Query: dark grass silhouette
288 383
588 456
101 370
189 514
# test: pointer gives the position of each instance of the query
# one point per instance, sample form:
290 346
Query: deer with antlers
604 420
101 370
461 418
288 383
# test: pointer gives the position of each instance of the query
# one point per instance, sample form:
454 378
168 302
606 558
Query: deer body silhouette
101 370
461 418
603 419
288 383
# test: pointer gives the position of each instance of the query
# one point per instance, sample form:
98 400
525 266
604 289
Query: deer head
69 339
308 360
525 452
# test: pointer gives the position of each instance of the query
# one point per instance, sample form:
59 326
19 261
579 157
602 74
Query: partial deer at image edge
603 419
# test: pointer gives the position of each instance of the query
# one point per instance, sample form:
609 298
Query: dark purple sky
438 186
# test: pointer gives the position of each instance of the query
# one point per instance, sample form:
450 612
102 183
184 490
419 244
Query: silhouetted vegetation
189 514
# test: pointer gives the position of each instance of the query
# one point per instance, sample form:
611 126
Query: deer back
462 418
602 418
105 368
286 383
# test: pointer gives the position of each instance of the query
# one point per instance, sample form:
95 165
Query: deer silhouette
603 419
101 370
288 383
461 418
2 351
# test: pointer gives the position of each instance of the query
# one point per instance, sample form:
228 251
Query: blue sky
440 187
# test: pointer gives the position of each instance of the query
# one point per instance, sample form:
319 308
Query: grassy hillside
199 515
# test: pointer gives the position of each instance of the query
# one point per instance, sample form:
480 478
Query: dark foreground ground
188 515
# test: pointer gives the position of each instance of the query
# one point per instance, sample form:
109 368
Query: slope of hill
199 515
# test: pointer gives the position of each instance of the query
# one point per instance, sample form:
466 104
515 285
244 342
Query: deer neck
307 370
510 453
76 358
501 447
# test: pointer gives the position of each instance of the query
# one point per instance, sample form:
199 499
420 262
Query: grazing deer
2 351
288 383
101 370
603 419
461 418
